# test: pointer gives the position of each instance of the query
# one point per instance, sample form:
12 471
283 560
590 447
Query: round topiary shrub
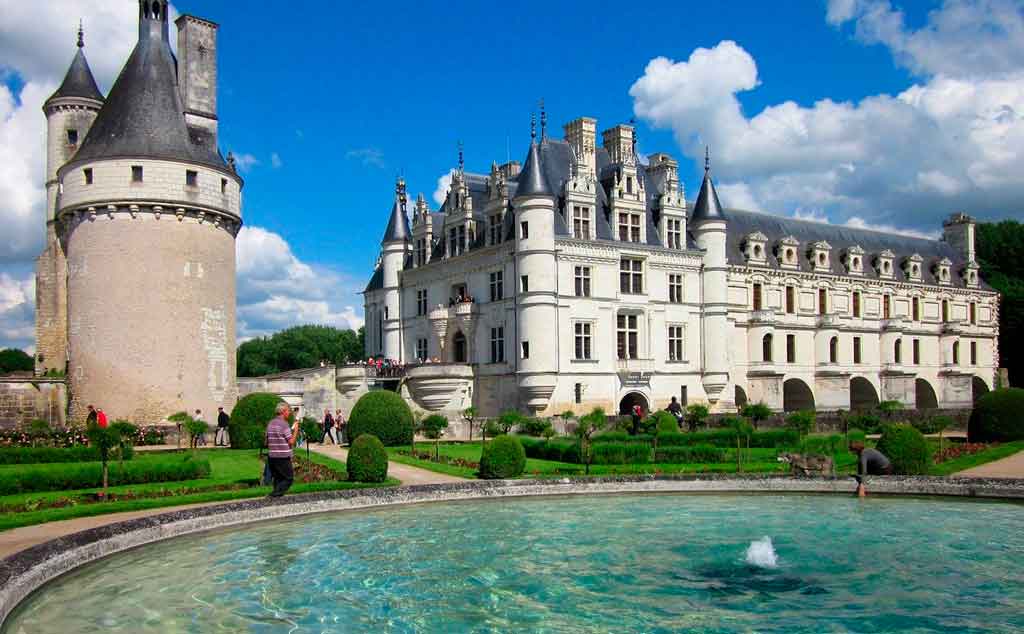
502 458
906 448
383 414
248 424
997 416
666 423
367 460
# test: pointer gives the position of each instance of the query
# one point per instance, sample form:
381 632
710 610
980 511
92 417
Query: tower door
459 353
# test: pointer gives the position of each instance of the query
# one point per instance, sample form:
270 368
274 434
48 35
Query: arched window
915 306
897 351
956 353
766 348
945 310
833 350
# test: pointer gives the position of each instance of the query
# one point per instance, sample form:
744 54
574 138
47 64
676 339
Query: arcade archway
863 395
924 395
631 399
978 388
796 396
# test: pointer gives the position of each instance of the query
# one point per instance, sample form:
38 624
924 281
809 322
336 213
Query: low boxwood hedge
89 475
726 438
621 453
557 449
998 416
696 454
906 448
621 436
367 460
503 457
41 455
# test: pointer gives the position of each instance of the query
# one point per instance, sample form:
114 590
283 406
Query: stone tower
395 248
537 308
147 215
709 231
70 113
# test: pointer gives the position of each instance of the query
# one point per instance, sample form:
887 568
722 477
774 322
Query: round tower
70 112
395 249
149 212
537 305
709 230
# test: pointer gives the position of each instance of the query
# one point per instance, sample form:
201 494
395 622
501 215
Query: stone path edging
25 571
1011 466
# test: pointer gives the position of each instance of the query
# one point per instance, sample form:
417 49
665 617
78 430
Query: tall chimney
581 135
197 72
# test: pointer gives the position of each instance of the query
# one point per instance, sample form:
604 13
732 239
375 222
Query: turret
395 248
708 224
537 305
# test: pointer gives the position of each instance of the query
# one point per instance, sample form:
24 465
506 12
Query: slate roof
143 114
398 224
707 206
78 82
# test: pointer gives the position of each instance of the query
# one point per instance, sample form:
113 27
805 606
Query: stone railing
634 365
764 316
831 320
894 324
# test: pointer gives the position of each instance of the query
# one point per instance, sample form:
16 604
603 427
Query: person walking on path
280 440
221 439
328 428
339 422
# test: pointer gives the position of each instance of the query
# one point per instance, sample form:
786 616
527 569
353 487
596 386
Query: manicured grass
950 467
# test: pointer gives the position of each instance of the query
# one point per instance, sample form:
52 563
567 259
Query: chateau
595 283
135 290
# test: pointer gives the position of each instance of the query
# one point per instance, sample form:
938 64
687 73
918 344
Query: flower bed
429 457
958 450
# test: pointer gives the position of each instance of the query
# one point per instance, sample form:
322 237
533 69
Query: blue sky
866 112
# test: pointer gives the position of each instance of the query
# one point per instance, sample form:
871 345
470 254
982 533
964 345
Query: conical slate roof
532 181
143 115
78 82
707 206
398 224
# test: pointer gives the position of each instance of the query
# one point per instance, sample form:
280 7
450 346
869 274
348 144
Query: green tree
696 415
15 360
432 427
756 412
509 420
801 422
104 439
311 429
299 347
1000 252
743 429
469 415
587 426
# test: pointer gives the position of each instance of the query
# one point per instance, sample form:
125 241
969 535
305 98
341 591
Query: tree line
1001 256
299 347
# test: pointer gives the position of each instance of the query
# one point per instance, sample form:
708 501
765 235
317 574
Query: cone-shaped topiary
997 416
383 414
906 448
367 460
248 424
502 458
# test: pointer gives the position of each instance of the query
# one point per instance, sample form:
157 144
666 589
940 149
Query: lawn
234 474
950 467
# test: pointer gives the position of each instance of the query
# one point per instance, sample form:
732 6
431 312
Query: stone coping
28 570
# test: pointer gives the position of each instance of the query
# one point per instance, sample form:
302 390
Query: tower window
790 300
757 296
917 351
87 172
822 301
675 343
675 288
191 178
956 353
498 344
524 230
915 311
223 185
72 137
886 307
526 349
766 348
136 173
833 350
582 275
856 304
973 312
945 310
790 348
974 353
583 340
897 353
627 331
579 393
856 349
524 283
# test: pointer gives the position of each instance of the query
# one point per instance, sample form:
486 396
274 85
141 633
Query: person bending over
870 461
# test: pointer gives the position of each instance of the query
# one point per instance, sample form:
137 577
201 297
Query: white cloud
17 312
444 183
277 290
942 145
368 156
275 160
245 162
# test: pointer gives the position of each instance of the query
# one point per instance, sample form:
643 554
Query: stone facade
26 399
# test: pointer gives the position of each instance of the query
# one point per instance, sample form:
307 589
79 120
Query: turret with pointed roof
707 206
78 82
398 222
532 181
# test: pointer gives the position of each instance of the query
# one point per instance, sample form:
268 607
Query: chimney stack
197 72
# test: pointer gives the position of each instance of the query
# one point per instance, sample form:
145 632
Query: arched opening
924 395
631 399
863 395
897 351
766 348
459 353
978 388
796 395
741 397
833 350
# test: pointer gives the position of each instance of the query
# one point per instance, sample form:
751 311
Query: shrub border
26 571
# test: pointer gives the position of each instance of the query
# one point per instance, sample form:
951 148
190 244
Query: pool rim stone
26 571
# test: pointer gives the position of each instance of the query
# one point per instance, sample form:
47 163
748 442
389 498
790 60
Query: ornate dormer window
755 248
912 267
786 252
941 271
970 274
853 260
884 264
819 255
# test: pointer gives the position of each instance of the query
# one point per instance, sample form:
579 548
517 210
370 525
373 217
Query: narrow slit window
191 178
72 137
136 173
88 175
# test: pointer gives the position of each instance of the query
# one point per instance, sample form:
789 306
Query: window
582 280
581 222
675 343
972 310
136 173
578 393
453 242
915 307
524 230
766 348
758 302
674 231
497 285
675 288
223 185
822 301
524 283
682 395
421 349
191 178
498 344
421 302
974 353
88 175
629 184
627 336
72 137
421 252
833 350
790 348
631 276
386 312
494 229
945 310
856 303
462 239
856 349
917 351
897 351
583 340
629 227
886 307
526 349
790 300
956 353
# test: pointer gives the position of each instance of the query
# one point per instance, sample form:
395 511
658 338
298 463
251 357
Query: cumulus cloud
444 183
277 290
17 311
244 161
368 156
947 143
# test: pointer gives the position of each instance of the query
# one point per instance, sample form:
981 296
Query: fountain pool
623 563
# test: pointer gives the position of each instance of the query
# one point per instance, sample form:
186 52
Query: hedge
695 454
726 438
557 449
247 426
89 475
502 458
367 460
998 417
40 455
906 448
824 445
383 414
621 453
621 437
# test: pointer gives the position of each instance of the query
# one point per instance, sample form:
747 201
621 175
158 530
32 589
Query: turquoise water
655 563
